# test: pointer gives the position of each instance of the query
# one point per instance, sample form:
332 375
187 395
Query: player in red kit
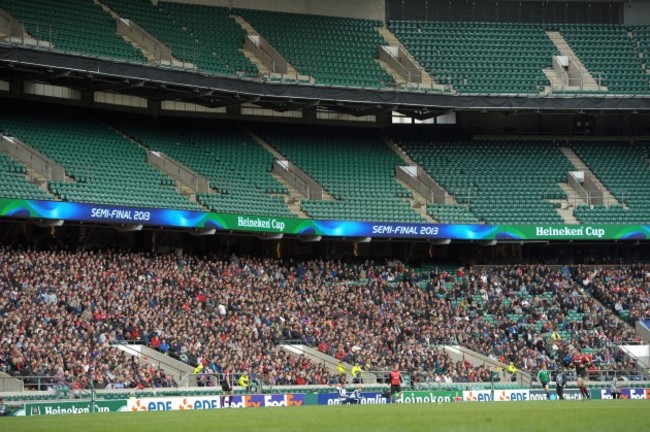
226 387
395 383
582 362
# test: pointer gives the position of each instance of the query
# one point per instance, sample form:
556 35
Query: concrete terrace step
183 373
589 83
250 30
581 166
427 81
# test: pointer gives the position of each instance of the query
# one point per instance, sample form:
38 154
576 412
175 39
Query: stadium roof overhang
160 83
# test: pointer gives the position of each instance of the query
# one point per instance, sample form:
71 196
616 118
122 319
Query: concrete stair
589 83
398 150
459 353
418 203
34 162
640 51
567 216
399 81
575 160
29 40
553 77
249 29
328 361
293 198
427 81
643 331
640 354
261 67
38 179
449 199
151 58
567 205
187 192
9 384
556 82
180 187
183 373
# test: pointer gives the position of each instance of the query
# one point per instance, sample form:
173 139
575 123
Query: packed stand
62 310
625 290
530 315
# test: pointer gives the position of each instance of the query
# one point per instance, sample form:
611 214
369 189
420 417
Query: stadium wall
524 11
366 9
575 124
637 12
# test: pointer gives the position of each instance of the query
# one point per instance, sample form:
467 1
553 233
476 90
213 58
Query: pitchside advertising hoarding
96 213
569 394
496 395
80 407
425 397
631 393
367 398
212 402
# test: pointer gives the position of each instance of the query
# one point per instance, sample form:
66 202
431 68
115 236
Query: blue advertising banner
626 393
366 398
267 400
106 214
569 394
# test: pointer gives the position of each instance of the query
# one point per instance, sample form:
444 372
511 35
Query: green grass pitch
575 416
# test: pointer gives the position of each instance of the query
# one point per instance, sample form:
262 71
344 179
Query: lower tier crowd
62 312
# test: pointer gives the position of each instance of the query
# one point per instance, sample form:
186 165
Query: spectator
62 310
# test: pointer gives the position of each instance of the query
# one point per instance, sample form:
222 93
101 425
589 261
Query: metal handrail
603 375
41 383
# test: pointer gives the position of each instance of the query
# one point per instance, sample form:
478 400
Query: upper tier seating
641 36
107 167
474 57
502 181
236 166
79 26
626 174
353 165
202 35
184 47
451 214
14 184
220 37
610 56
480 57
337 51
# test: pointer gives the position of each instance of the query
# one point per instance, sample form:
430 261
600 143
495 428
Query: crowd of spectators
624 290
523 314
60 312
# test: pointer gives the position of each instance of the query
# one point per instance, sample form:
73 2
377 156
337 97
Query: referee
560 382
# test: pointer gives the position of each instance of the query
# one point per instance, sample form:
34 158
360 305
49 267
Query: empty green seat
354 166
334 50
89 30
626 176
238 168
494 181
105 167
480 57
